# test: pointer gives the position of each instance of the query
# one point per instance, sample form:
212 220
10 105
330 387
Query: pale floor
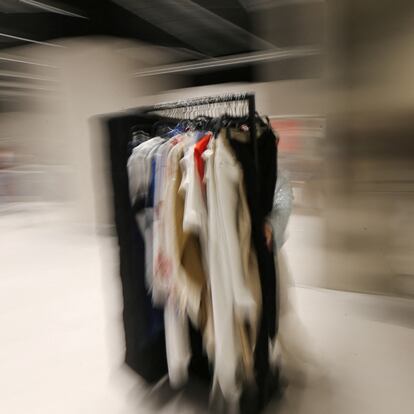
61 341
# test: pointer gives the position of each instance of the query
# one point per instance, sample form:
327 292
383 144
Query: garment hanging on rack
195 222
235 297
258 211
140 178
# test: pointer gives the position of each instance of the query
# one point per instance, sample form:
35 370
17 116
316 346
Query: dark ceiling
208 27
198 30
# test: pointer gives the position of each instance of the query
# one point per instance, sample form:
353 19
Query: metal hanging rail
201 101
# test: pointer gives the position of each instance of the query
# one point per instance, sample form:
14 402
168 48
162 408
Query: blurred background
334 78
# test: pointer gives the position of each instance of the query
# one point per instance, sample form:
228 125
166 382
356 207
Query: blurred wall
370 171
52 133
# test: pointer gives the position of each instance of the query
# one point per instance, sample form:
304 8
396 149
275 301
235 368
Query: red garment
199 148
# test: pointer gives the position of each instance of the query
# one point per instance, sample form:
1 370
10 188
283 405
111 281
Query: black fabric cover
143 325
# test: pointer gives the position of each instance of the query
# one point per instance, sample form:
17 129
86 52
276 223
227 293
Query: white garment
149 223
228 175
176 324
229 292
195 208
139 170
195 220
177 342
160 264
139 175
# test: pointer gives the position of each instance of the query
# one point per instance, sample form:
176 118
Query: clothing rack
203 103
146 354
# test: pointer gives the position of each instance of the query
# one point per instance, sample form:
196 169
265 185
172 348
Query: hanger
201 122
165 128
138 135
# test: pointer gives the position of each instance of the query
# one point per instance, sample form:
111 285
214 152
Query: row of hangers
172 126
